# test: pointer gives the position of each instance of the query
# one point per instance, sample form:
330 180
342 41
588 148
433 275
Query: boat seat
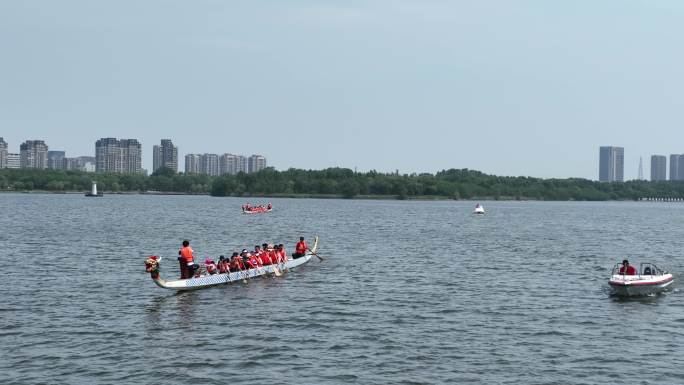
647 270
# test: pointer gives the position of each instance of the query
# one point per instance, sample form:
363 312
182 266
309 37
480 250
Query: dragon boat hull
257 211
226 278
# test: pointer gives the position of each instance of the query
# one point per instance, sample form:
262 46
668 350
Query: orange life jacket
186 253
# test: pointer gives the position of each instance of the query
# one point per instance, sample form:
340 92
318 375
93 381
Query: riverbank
311 196
338 183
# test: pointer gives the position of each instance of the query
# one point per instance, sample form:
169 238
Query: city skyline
222 164
489 87
124 156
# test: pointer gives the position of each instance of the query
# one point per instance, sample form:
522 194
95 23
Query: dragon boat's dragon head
152 266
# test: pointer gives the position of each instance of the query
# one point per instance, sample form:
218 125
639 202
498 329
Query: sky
520 88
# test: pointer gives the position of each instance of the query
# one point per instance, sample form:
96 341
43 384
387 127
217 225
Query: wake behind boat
152 265
627 281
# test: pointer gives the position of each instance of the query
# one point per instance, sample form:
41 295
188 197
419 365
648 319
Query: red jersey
301 247
630 270
236 264
253 262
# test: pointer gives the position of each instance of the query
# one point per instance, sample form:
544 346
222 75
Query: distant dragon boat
152 267
256 209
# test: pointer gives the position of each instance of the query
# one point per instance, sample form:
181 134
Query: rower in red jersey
282 255
300 249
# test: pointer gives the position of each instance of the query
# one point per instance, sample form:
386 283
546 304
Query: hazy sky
506 87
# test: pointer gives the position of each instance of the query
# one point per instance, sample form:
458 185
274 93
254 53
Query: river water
409 293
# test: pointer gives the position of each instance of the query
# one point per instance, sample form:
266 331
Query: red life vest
301 247
254 261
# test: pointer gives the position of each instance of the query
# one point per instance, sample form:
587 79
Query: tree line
342 182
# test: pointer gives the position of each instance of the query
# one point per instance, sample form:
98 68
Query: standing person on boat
187 260
627 269
300 248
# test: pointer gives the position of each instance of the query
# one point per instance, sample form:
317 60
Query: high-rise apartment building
209 164
120 156
192 164
107 155
674 167
3 153
165 155
131 156
658 167
256 163
56 160
33 154
228 164
611 164
241 164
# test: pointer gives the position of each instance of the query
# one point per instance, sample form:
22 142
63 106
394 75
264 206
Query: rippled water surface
410 293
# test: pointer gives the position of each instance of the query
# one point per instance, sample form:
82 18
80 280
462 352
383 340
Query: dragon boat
247 209
649 279
152 265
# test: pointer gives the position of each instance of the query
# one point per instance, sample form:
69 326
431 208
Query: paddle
314 253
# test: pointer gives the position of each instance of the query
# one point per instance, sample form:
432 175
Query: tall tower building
674 166
241 164
256 163
658 167
107 155
56 160
3 153
165 155
33 154
209 164
120 156
192 164
228 164
611 164
131 156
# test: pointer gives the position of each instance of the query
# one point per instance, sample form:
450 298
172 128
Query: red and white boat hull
635 285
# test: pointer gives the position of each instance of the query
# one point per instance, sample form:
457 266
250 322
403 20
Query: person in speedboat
627 269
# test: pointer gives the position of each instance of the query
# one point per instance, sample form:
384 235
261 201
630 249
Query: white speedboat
479 209
648 279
